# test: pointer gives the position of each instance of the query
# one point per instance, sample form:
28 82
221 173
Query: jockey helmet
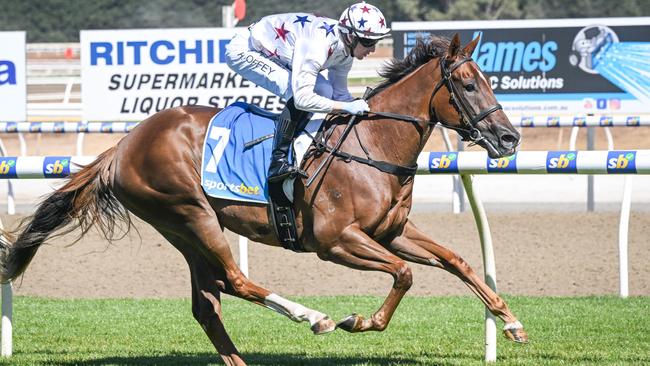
365 22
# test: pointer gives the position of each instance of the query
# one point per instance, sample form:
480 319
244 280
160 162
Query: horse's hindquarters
157 165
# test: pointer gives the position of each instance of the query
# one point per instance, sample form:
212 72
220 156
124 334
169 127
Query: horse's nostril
508 140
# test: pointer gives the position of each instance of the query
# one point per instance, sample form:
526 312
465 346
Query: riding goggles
366 42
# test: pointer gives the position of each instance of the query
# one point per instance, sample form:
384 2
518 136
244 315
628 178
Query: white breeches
254 66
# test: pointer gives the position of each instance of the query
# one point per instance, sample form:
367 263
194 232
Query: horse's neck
410 96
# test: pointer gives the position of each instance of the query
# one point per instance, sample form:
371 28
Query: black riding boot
280 167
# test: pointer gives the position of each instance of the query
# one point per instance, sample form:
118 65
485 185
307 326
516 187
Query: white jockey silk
286 53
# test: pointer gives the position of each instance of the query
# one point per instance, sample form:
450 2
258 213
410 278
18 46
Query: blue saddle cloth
230 170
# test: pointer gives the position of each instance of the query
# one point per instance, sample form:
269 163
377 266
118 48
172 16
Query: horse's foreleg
357 250
217 250
416 246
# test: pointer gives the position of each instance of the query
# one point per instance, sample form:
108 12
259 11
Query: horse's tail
85 200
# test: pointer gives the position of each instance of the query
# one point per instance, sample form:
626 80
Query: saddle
237 155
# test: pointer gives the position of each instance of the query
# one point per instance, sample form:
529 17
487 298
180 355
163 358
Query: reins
386 167
468 132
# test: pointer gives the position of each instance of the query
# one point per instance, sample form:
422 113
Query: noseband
468 131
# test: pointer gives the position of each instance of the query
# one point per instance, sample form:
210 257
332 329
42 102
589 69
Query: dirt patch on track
536 254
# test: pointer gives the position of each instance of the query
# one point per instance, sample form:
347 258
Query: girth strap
383 166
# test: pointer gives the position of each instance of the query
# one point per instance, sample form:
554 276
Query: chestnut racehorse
354 215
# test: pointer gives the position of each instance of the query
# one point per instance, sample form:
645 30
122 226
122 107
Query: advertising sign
13 79
573 66
131 74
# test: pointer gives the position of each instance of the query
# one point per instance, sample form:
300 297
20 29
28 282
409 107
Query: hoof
517 335
351 323
323 326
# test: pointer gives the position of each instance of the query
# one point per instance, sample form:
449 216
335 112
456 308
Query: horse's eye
470 87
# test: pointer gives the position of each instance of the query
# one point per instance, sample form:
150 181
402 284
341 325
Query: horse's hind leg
175 205
202 231
416 246
206 302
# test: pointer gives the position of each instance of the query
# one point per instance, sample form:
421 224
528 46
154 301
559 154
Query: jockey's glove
357 107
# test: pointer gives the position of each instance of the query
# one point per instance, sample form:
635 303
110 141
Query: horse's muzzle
501 141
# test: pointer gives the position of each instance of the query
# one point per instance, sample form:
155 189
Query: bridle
468 131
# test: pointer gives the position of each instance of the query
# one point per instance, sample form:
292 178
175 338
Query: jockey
285 54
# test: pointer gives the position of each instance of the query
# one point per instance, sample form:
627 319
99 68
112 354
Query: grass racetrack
445 330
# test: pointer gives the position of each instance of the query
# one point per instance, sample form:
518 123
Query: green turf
424 331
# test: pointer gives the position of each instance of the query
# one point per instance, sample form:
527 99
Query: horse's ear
469 48
454 46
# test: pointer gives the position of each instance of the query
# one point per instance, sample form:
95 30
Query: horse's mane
423 51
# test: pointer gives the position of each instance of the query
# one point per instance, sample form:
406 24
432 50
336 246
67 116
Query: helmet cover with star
365 21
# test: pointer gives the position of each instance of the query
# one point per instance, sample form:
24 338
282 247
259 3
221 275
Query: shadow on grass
286 359
251 359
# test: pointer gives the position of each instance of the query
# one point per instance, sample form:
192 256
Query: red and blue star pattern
365 19
305 45
281 33
302 20
329 28
278 35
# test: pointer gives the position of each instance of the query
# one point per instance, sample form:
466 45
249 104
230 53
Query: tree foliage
61 20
